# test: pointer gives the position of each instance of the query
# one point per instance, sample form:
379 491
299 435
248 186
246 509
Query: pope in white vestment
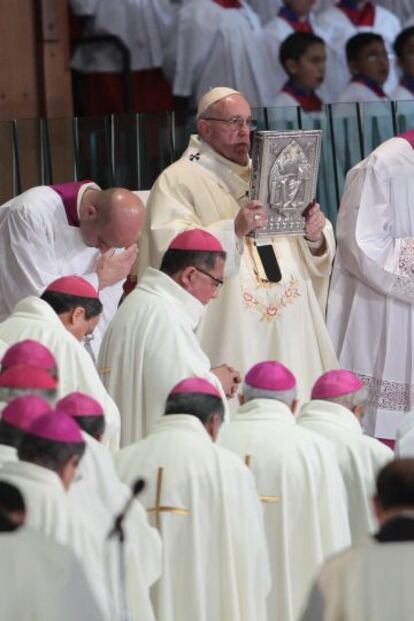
33 318
253 319
41 238
41 579
370 310
299 484
360 457
151 345
204 501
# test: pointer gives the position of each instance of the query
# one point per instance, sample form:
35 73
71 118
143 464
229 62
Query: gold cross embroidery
105 370
266 499
163 509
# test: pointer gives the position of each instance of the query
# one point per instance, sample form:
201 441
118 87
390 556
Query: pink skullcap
23 411
195 384
79 404
27 377
29 352
336 384
73 285
56 426
270 375
196 240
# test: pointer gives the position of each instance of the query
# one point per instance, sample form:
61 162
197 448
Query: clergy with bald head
205 504
298 480
336 412
48 455
261 314
67 312
72 228
150 344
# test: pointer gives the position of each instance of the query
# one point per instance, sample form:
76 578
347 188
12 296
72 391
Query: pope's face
225 128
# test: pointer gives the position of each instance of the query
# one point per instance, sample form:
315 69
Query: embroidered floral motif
406 260
387 395
274 309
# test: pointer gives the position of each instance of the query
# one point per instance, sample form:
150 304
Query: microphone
136 489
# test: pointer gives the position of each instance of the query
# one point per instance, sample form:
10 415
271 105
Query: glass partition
131 150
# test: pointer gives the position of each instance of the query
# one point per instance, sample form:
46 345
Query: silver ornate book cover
284 176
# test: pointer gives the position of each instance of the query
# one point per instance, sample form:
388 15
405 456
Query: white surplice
303 497
41 579
370 309
252 319
218 46
37 246
215 561
368 582
98 492
357 92
401 93
143 26
337 29
49 511
148 348
34 319
360 458
7 453
404 437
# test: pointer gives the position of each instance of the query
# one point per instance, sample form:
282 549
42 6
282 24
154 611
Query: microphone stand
118 532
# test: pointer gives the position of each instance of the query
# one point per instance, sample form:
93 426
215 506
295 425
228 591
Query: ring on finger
256 217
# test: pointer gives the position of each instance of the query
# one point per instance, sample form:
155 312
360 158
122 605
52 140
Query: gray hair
286 396
351 401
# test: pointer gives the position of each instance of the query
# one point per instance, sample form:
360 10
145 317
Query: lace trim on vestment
388 395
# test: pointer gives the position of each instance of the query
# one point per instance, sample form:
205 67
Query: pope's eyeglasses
236 123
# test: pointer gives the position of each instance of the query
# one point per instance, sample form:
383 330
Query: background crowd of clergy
200 44
207 371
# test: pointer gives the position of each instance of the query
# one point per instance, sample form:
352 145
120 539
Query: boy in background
404 50
369 66
303 57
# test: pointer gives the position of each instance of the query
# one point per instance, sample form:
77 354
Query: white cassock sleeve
366 239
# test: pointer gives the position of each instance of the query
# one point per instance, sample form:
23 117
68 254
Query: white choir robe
217 46
274 33
357 92
41 579
286 318
33 318
37 246
304 501
3 348
215 564
360 458
368 582
148 348
286 100
98 492
49 511
370 308
7 453
143 26
401 93
337 29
